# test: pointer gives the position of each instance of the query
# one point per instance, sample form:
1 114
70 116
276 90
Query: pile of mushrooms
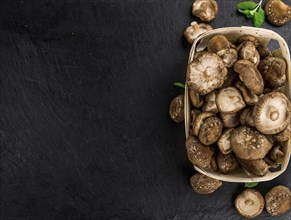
239 117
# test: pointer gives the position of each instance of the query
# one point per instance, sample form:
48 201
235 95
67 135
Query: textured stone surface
85 133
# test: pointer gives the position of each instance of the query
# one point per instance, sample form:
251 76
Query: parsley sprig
252 10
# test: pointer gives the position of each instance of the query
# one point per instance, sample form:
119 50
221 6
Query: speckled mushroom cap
250 203
199 154
217 43
210 130
176 109
203 184
249 144
278 200
206 10
206 73
277 12
272 113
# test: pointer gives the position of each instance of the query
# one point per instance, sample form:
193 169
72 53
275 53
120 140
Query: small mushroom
278 200
272 113
249 52
250 203
277 12
249 144
264 51
257 167
250 76
273 70
195 30
203 184
249 97
210 104
206 73
176 109
226 162
246 117
283 135
224 141
271 163
277 153
199 154
195 98
246 37
210 130
197 123
228 56
218 43
206 10
230 120
229 100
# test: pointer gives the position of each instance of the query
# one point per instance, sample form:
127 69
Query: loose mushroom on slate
277 12
250 203
203 184
278 201
176 109
206 10
272 113
195 30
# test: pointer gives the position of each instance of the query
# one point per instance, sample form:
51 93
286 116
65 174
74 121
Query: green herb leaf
259 18
178 84
251 185
246 5
244 11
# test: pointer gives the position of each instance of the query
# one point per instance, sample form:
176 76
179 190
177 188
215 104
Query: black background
84 93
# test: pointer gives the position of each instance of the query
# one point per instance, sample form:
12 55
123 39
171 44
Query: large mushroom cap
250 76
272 113
273 70
249 144
206 73
176 109
217 43
229 100
278 13
278 200
250 203
203 184
199 154
206 10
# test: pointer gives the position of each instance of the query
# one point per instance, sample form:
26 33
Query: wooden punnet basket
232 33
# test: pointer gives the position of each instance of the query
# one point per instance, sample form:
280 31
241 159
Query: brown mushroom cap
196 125
176 109
249 52
226 162
257 167
229 100
250 203
195 30
213 163
272 113
278 200
206 10
264 51
224 141
195 98
249 97
228 56
247 37
206 73
284 135
277 153
199 154
210 130
231 77
250 76
218 43
277 12
203 184
249 144
230 120
210 104
273 70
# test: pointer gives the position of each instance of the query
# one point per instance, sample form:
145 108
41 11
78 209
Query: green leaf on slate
246 5
259 19
178 84
251 185
245 12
